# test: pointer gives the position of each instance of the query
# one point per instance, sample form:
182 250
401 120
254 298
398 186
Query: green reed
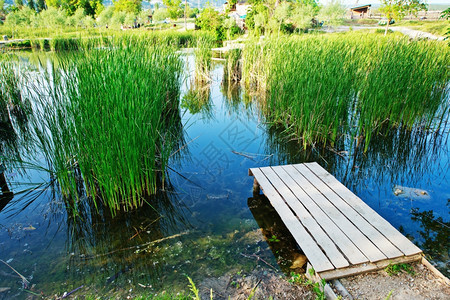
321 88
106 121
232 70
203 55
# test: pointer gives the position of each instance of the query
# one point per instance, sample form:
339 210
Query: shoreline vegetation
322 90
350 85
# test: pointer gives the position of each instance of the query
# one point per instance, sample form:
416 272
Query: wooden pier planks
323 215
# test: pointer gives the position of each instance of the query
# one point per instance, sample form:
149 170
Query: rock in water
410 193
4 289
298 261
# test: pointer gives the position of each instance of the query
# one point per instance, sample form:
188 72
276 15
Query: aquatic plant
232 70
321 88
107 121
203 55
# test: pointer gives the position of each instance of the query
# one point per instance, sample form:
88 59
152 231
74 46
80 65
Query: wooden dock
339 233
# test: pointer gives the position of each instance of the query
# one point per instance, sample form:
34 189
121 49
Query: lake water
206 222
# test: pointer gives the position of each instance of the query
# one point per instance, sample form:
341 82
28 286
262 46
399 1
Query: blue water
199 224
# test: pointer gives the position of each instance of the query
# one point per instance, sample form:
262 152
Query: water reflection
198 99
108 246
283 246
434 237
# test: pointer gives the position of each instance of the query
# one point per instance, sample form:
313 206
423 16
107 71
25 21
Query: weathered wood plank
317 233
392 234
379 240
301 236
368 267
294 180
435 271
353 232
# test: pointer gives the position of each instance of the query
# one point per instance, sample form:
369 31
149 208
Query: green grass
108 121
392 270
58 40
322 88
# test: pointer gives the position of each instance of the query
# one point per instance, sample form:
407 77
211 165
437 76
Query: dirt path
406 31
419 284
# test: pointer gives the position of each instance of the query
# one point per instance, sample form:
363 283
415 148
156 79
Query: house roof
361 6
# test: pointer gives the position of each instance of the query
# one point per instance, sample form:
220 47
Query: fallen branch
142 245
71 292
242 154
258 258
24 280
138 232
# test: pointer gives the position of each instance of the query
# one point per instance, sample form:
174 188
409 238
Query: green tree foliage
104 18
332 12
90 7
397 9
129 6
2 8
40 5
446 15
275 16
160 14
173 7
210 20
18 4
31 4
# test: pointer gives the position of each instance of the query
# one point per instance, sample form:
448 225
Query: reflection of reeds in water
324 88
399 155
15 109
123 241
198 98
108 119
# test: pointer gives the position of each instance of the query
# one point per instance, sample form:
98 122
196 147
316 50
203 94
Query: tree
31 4
333 12
104 18
209 19
2 7
160 14
173 7
40 5
303 15
18 3
397 9
128 6
446 15
281 14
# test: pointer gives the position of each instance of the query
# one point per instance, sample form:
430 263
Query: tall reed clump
233 68
403 84
109 119
321 88
203 55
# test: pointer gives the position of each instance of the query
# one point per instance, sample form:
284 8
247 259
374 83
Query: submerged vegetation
321 88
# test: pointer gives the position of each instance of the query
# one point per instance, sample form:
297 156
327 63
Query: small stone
397 192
